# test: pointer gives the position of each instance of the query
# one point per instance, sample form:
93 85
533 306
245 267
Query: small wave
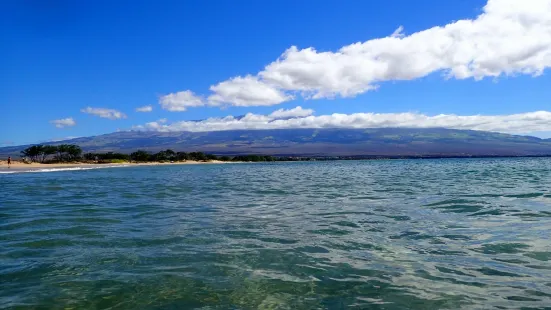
61 169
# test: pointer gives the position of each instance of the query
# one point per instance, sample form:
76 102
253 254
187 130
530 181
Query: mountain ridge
317 142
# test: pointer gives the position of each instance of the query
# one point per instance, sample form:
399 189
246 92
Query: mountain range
392 142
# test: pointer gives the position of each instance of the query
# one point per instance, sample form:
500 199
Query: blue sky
60 57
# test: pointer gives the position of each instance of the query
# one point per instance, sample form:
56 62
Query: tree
66 152
73 151
32 152
140 156
165 155
160 156
171 155
61 149
198 156
48 150
182 156
90 156
39 152
253 158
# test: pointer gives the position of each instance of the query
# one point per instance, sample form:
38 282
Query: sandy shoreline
20 165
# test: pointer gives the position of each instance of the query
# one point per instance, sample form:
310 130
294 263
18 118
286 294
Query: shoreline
18 165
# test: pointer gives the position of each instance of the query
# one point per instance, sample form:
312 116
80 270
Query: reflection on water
411 234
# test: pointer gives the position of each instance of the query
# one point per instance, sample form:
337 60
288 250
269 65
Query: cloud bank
146 108
104 113
64 122
510 37
60 139
303 118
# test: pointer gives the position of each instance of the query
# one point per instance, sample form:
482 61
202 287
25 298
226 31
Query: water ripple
403 234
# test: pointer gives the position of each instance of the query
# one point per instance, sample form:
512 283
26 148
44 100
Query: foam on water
58 169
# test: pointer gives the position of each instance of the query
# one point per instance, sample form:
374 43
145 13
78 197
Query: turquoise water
403 234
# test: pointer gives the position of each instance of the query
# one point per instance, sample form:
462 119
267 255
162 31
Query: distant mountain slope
319 142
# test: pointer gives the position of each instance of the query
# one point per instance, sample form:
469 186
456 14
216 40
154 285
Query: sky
83 68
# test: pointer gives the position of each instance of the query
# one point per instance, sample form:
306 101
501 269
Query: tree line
71 152
172 156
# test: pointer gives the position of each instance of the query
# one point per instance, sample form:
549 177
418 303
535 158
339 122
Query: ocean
381 234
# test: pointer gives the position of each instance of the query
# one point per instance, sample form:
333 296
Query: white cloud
180 101
246 91
539 121
146 108
510 37
104 113
398 33
64 122
156 125
292 113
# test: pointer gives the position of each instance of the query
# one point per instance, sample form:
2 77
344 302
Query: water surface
400 234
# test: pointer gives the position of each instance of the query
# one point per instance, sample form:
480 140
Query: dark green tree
39 151
198 156
140 156
170 154
182 156
33 152
90 156
73 151
61 151
48 150
160 156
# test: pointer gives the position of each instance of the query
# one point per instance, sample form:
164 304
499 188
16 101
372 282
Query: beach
18 166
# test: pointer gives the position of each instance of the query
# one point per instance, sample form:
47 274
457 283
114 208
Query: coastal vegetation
73 153
172 156
55 153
